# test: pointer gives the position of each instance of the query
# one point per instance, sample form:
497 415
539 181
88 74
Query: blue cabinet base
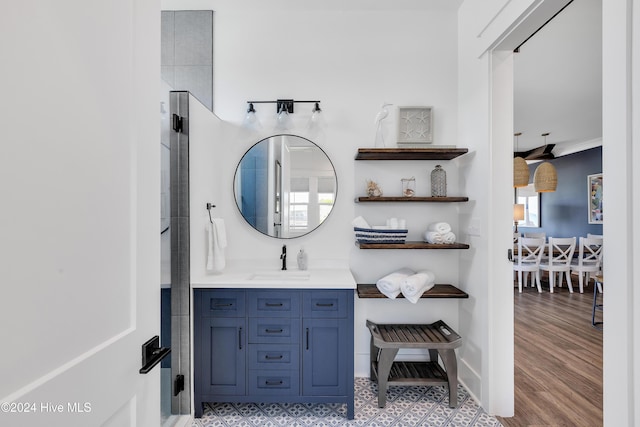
273 346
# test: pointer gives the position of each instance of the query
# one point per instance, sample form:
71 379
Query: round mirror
285 186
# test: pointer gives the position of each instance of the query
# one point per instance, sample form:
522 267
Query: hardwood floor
558 360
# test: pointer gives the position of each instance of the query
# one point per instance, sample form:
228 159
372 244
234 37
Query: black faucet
283 257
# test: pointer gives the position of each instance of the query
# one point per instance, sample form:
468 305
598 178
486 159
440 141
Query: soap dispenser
302 260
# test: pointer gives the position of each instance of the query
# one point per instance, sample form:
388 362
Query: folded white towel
389 285
440 227
217 241
433 237
360 223
412 287
448 238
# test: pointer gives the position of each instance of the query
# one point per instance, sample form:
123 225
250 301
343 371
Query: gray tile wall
180 266
187 53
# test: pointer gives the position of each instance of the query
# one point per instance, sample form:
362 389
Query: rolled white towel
389 285
360 223
448 238
433 237
440 227
412 287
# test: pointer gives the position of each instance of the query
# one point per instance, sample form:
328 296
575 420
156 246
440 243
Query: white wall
353 60
620 157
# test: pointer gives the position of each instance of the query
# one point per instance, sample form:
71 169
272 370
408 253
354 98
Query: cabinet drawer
219 303
274 382
274 330
326 304
274 356
274 303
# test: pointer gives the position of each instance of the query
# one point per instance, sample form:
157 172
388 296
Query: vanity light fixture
316 121
284 108
251 119
286 103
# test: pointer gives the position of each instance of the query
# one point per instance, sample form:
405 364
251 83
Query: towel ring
209 206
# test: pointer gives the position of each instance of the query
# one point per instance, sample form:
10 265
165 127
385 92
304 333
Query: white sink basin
289 275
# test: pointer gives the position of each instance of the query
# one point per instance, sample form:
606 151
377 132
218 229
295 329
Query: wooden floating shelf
412 199
438 291
410 153
412 245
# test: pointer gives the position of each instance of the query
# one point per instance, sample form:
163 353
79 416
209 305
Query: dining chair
529 255
600 236
535 234
559 259
589 258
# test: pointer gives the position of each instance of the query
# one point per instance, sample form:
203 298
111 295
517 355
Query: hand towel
389 285
412 287
440 227
448 238
360 223
433 237
217 241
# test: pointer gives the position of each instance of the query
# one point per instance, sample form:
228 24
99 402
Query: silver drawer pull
273 331
324 304
273 304
269 357
273 382
223 305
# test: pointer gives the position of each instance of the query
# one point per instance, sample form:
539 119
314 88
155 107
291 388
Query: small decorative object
408 187
373 189
415 125
438 182
382 114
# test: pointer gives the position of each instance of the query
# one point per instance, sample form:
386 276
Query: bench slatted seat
438 338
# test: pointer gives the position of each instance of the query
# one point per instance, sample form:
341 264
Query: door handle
152 354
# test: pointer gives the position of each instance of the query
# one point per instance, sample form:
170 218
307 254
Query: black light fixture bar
281 103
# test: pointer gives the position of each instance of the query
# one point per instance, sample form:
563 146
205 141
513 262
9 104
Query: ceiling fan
540 153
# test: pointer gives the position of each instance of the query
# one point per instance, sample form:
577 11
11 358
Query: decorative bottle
438 182
302 260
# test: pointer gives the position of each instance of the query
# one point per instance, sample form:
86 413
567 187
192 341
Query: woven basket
371 235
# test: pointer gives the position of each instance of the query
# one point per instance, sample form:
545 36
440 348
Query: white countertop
245 277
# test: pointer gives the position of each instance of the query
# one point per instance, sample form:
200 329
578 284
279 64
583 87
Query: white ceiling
558 81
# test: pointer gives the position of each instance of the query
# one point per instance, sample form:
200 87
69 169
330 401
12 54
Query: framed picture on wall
415 125
594 187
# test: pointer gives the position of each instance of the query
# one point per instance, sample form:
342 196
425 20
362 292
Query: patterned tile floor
406 406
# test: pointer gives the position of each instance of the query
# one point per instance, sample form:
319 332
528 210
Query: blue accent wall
564 213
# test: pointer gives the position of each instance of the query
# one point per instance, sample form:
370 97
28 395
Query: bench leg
373 357
451 367
384 367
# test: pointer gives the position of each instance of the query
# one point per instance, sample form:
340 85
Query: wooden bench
437 337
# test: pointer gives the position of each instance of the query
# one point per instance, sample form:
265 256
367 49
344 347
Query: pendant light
545 178
520 168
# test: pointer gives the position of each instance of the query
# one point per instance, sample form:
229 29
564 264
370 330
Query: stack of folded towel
411 284
439 233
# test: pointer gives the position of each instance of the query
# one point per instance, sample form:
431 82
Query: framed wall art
415 125
594 187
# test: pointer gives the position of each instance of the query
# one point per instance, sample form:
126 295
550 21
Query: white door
79 203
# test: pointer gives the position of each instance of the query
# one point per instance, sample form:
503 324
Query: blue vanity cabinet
274 349
273 345
327 351
220 335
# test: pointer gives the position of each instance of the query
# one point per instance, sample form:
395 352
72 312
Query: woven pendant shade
545 178
520 172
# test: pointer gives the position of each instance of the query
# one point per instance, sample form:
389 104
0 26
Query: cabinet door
327 356
220 358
